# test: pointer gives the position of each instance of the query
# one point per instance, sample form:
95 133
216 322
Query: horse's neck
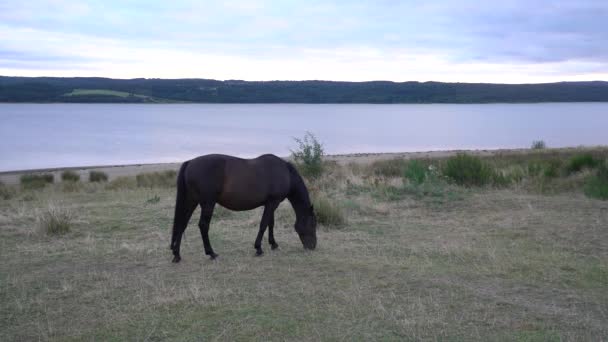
299 199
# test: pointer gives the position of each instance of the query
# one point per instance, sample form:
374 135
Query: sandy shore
113 171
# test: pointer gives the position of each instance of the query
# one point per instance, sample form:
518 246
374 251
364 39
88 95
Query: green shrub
581 161
164 179
122 183
468 170
98 176
36 181
56 220
415 172
309 156
596 186
538 145
70 176
328 214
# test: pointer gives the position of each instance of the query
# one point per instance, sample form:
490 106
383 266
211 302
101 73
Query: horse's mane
298 194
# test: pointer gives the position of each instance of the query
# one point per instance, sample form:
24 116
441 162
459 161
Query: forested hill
52 89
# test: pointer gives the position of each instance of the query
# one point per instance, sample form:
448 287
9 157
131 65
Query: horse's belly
238 202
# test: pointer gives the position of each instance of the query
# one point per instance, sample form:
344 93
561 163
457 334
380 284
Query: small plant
581 161
56 220
164 179
98 176
551 169
70 176
328 214
36 181
415 172
538 145
468 170
597 185
309 155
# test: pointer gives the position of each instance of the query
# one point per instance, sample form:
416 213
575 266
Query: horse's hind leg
271 240
266 218
183 213
203 224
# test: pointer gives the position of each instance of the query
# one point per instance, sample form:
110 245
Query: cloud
507 41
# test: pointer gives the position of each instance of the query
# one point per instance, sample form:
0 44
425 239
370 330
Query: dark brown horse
241 184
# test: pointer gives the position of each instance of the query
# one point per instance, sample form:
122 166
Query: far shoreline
118 170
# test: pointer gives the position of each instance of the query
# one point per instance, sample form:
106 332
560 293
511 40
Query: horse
241 184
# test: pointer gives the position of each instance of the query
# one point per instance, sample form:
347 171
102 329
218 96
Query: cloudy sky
504 41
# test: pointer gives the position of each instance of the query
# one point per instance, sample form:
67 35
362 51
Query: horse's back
236 183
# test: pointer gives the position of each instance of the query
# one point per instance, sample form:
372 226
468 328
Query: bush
56 220
165 179
597 185
581 161
538 145
309 155
98 176
36 181
415 172
328 214
468 170
70 176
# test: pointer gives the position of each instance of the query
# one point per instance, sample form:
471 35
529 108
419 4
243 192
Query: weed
328 213
596 186
468 170
415 172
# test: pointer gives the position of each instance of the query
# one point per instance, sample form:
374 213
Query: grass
468 170
156 179
440 262
580 162
597 185
98 176
102 92
328 213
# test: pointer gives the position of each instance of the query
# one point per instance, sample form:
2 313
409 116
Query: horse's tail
180 203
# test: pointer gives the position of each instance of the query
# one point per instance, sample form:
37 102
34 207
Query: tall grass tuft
308 156
538 145
581 161
122 183
70 176
56 220
415 172
389 168
328 213
36 181
468 170
98 176
596 186
164 179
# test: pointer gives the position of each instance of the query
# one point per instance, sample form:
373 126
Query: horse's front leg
269 209
203 224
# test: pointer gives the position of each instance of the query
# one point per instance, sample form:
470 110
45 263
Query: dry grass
487 264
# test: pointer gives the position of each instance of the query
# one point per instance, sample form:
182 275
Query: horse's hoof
176 259
259 252
212 256
274 245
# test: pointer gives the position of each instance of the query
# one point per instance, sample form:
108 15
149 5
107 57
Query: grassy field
525 261
105 92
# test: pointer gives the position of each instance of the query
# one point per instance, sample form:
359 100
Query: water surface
60 135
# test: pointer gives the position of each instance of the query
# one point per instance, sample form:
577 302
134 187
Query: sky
504 41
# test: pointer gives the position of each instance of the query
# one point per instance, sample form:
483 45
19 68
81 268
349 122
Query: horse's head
306 226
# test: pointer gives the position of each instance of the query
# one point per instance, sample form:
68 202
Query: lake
61 135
